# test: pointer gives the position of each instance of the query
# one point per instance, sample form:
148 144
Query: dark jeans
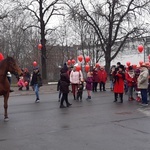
144 96
64 98
102 85
95 86
9 79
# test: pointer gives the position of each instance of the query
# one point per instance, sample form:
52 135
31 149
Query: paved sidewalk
44 89
47 88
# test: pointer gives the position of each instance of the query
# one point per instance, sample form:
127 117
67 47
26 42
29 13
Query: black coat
36 79
64 83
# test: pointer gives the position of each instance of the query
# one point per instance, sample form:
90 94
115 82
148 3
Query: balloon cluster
80 59
69 62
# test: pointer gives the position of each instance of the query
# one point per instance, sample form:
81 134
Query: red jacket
102 76
95 76
130 81
119 83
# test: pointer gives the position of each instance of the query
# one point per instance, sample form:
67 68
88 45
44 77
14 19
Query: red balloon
1 56
149 56
80 58
34 63
73 61
97 65
26 83
87 59
69 62
140 48
78 68
128 63
87 68
39 46
141 62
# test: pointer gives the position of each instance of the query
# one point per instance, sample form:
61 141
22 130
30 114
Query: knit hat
130 68
119 63
122 67
144 65
35 68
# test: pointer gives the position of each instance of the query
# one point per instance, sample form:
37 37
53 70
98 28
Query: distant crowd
122 80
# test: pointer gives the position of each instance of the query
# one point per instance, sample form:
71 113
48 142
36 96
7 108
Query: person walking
142 82
64 87
119 77
36 82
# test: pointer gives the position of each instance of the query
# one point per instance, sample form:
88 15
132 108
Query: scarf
131 74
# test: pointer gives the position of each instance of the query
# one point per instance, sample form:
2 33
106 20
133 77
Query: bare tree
113 21
42 11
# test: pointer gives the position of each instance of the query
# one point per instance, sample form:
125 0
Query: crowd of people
122 80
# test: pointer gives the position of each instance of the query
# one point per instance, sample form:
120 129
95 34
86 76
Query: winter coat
131 81
89 83
102 76
36 79
64 83
80 87
143 79
95 76
75 77
21 83
119 78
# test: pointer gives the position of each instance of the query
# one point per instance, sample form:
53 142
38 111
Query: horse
8 64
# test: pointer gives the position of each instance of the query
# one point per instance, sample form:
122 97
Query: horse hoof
6 119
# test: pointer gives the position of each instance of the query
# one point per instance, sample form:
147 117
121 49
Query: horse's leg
6 96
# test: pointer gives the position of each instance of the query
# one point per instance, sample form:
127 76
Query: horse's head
13 66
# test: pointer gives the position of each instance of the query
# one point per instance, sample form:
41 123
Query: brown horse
7 65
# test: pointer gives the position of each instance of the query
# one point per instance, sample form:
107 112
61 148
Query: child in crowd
89 84
80 90
21 83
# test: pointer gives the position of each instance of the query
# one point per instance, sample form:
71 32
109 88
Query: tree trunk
107 60
43 42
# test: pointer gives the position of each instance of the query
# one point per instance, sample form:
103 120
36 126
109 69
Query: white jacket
76 76
143 79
